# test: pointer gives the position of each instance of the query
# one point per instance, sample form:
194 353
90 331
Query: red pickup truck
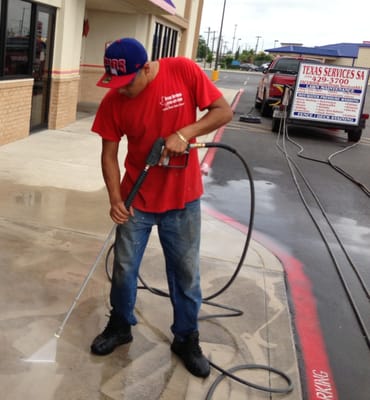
281 72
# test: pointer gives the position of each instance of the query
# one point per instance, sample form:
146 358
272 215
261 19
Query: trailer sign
329 94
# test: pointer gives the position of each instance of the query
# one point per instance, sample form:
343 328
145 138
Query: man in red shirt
147 101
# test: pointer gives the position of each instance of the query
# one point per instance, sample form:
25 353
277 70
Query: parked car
281 71
263 67
248 67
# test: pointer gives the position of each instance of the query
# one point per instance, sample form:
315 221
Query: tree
247 56
209 58
227 60
202 48
262 58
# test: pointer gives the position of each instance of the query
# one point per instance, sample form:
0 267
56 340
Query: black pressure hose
251 214
152 160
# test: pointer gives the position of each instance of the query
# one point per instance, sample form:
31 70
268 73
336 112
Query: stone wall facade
15 109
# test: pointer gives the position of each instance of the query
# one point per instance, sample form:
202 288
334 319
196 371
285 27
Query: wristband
181 137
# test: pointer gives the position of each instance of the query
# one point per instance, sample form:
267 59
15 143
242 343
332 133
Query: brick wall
15 109
89 92
63 102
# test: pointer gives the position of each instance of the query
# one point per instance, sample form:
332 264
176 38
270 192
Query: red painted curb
210 155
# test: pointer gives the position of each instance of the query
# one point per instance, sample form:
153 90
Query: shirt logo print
172 101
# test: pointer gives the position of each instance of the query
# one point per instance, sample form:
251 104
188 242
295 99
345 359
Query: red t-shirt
166 105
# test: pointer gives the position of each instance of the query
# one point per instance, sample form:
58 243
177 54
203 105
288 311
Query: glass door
42 64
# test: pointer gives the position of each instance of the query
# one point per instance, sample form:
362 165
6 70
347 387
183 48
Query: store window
16 19
26 50
164 42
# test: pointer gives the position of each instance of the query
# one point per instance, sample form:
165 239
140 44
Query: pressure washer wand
87 278
152 160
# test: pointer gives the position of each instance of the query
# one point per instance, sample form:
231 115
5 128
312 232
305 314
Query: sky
307 22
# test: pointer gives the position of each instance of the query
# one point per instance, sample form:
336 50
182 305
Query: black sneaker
191 354
114 334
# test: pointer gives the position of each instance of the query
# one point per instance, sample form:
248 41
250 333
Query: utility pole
205 57
215 72
232 47
258 38
237 45
225 48
213 46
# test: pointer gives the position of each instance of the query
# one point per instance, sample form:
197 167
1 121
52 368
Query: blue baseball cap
122 60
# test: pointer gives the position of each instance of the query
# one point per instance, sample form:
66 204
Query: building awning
342 50
155 7
166 5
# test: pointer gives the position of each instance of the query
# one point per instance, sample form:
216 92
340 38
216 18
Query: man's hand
174 147
119 213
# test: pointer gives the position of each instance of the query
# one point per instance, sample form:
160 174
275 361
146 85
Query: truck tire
354 135
266 110
257 104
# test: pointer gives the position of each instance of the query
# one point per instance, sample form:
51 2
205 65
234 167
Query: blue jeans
179 234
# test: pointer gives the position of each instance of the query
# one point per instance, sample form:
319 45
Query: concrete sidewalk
53 223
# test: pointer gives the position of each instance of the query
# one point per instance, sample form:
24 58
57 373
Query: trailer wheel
354 135
275 124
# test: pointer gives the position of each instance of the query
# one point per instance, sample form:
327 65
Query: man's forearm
112 179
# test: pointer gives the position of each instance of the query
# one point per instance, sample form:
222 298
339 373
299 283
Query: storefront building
346 54
51 52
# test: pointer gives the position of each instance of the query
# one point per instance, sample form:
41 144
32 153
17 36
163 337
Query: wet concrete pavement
53 223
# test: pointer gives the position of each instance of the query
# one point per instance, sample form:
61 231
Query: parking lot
316 214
